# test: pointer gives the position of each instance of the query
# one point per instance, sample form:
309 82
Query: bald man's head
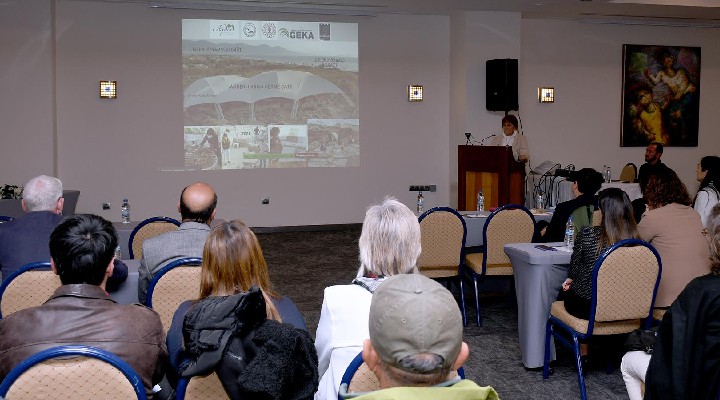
197 203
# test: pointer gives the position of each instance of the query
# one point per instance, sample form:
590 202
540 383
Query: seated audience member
708 174
585 183
617 224
197 210
232 262
652 165
25 240
81 312
415 342
686 354
675 230
256 355
389 245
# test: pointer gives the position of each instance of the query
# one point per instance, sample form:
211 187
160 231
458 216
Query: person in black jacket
585 183
685 361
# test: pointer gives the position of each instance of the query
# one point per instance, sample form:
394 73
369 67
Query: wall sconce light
108 89
415 93
546 95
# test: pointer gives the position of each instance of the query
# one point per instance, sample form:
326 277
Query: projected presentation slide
270 94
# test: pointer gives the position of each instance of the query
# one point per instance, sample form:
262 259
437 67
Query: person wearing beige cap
416 342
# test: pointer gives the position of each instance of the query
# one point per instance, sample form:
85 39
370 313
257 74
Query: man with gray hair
25 239
416 342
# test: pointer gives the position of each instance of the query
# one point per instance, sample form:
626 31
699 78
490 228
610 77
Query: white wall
26 90
584 64
113 149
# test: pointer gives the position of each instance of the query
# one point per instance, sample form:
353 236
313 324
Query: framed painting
660 95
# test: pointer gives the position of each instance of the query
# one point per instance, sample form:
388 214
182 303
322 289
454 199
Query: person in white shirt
389 245
511 137
708 174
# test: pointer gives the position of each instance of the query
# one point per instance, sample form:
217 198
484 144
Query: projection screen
270 94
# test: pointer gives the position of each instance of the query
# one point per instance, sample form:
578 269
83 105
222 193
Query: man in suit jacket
25 240
197 209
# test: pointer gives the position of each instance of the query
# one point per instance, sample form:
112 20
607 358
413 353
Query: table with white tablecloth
474 222
539 275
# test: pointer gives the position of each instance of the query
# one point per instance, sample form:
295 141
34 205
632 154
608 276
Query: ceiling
653 12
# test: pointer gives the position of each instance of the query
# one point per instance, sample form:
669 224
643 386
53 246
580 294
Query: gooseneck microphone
482 141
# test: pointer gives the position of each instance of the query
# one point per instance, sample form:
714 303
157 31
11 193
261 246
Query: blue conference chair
173 284
625 280
146 229
510 223
443 233
30 286
89 373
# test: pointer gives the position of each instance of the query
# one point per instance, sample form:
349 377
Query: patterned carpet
303 263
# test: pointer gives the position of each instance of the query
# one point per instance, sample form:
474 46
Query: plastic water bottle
118 253
480 201
420 203
540 201
570 233
608 174
125 211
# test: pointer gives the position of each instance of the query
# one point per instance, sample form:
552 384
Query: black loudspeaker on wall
501 83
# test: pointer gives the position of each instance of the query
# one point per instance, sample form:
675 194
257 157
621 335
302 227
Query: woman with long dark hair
618 223
708 174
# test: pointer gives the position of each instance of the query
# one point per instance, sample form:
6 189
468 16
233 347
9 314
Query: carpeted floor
303 263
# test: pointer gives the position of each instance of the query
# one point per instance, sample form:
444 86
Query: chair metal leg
478 317
546 361
578 361
462 302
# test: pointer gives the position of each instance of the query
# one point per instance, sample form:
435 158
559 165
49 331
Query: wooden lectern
492 169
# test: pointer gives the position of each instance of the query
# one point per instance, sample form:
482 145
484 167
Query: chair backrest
625 282
72 372
511 223
5 218
629 173
201 388
148 228
30 286
359 378
173 284
442 235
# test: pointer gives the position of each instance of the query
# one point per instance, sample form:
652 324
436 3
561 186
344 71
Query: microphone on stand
482 141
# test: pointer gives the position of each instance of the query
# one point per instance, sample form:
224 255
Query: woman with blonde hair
389 245
232 263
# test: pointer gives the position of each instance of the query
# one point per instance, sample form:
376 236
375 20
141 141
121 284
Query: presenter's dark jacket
86 315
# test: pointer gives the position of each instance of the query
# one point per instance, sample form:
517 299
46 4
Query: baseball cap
412 314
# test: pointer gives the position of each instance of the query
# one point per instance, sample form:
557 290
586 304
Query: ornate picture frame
660 95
